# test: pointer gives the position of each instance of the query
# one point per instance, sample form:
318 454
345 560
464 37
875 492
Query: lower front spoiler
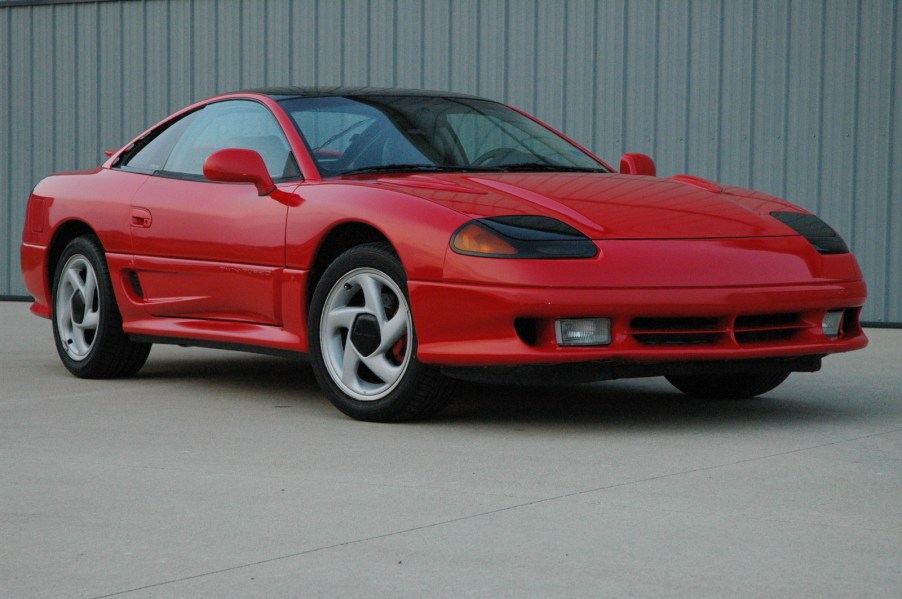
589 372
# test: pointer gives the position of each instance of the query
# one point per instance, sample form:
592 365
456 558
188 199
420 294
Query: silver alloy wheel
77 307
364 333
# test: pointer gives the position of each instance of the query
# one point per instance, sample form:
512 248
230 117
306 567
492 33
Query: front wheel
728 386
87 326
363 341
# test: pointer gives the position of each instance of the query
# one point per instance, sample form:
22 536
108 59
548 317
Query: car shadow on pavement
236 369
645 403
624 404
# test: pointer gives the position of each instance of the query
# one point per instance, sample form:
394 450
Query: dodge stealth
399 239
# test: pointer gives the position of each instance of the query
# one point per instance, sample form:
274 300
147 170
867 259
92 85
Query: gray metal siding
796 98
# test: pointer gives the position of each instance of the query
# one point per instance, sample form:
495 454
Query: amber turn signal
475 239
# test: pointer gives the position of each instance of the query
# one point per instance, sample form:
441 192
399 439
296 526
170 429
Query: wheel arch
337 241
64 234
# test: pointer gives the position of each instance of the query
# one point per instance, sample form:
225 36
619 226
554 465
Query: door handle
141 218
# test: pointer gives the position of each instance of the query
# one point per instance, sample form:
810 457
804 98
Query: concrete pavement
217 474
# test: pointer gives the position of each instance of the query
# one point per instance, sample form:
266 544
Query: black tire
728 386
87 325
360 324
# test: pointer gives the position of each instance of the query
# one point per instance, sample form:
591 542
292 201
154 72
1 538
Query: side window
150 156
232 124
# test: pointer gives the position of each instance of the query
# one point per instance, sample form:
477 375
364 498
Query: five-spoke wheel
77 307
364 332
363 341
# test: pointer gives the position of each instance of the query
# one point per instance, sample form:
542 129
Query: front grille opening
768 321
676 330
677 338
762 328
770 335
674 324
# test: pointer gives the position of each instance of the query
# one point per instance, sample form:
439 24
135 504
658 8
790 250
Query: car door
203 249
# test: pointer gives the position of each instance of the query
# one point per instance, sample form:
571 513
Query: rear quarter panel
97 198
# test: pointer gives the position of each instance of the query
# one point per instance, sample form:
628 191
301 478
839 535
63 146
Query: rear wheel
87 326
728 386
363 341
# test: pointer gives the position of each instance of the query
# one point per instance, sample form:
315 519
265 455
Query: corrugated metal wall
797 98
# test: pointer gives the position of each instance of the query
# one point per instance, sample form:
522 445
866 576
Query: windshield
372 134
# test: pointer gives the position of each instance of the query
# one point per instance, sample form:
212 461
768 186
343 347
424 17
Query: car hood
606 206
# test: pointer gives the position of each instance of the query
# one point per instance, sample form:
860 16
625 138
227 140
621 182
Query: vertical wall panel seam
656 105
535 58
216 48
478 46
368 29
687 129
595 147
31 45
422 41
316 42
505 78
191 49
7 151
145 44
394 46
54 124
820 121
888 275
784 187
753 88
98 113
625 65
564 98
264 43
719 119
343 34
240 20
853 137
290 64
120 134
450 46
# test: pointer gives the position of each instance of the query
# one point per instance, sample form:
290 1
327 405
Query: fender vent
136 284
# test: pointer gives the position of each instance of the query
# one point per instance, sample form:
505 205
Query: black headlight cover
818 233
534 237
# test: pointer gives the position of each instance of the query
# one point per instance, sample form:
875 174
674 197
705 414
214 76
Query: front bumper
485 325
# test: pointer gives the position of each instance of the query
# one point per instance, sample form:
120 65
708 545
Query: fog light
583 331
832 323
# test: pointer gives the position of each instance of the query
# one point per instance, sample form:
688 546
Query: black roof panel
338 90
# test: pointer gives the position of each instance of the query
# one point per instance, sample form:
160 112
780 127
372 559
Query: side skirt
254 349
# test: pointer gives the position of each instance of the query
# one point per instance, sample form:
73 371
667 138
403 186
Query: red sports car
399 238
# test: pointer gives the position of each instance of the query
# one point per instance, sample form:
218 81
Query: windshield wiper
544 167
420 168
